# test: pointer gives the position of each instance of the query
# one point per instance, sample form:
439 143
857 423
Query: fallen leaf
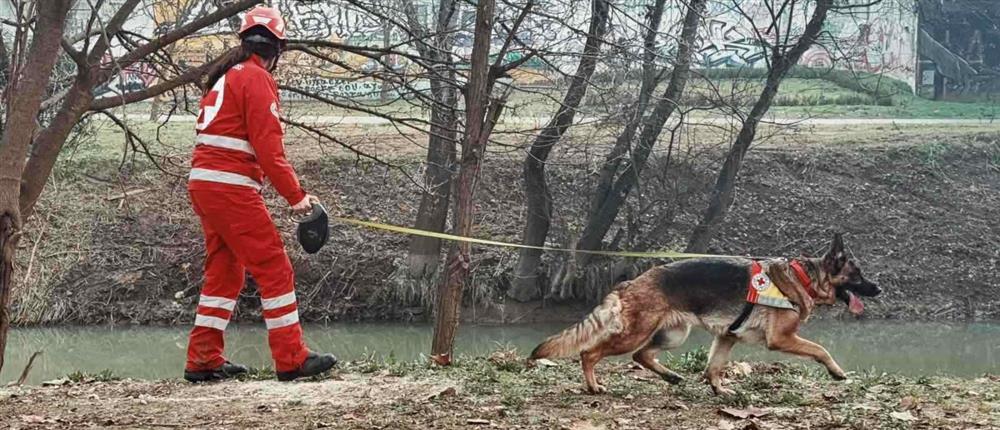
725 425
35 419
740 368
56 382
679 405
441 359
584 425
546 362
909 402
903 416
478 422
450 391
750 412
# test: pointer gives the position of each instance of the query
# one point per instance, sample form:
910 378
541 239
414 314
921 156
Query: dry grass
499 392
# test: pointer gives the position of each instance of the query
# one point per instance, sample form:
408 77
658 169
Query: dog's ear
835 258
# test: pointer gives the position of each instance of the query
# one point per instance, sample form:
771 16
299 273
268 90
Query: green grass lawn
908 107
799 97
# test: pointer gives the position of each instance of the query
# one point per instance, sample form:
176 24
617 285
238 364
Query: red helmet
266 17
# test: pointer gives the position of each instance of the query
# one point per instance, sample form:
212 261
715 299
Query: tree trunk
386 34
26 90
722 195
449 297
536 190
49 142
8 244
425 252
650 79
605 210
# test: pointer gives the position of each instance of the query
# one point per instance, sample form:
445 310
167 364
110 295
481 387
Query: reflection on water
158 352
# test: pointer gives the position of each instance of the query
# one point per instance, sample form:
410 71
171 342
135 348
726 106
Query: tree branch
141 52
190 76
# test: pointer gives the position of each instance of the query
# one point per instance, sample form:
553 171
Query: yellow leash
445 236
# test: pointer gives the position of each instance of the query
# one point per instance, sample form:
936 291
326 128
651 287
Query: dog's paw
672 378
723 391
597 389
837 373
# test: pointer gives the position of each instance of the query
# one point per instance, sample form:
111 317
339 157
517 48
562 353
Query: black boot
225 371
314 365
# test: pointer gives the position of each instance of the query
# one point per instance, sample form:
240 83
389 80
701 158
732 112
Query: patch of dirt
918 209
489 394
249 404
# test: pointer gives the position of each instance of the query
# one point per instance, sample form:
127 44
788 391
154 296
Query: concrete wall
875 39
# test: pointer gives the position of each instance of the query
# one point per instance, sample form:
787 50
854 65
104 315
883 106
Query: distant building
959 48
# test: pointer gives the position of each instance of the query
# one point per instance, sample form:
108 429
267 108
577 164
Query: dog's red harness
804 279
800 274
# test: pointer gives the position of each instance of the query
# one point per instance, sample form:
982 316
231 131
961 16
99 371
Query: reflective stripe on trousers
208 175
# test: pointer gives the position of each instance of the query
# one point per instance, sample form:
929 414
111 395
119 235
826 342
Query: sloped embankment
921 216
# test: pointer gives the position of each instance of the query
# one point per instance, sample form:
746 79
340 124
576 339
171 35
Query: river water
158 352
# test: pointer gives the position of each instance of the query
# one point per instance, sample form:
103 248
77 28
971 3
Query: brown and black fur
656 311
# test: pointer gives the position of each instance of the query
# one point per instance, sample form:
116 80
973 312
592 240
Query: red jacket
240 139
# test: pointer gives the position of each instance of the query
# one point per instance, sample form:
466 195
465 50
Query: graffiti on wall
878 45
724 44
135 77
878 41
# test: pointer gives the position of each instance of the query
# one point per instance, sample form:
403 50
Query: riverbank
498 391
117 244
153 353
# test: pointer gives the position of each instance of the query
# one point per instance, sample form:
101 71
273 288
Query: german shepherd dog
656 311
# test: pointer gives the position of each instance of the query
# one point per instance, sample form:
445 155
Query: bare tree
628 157
783 55
25 89
538 198
482 111
425 252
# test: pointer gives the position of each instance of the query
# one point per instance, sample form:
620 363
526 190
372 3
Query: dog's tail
602 323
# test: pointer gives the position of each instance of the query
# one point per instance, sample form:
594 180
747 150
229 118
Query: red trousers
240 236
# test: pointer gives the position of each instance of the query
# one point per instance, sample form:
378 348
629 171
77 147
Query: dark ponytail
251 42
235 56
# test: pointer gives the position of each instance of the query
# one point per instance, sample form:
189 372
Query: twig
34 248
27 368
129 194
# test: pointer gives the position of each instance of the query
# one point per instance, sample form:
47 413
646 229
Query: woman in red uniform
240 142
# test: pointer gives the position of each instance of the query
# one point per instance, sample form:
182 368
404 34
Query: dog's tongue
855 306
